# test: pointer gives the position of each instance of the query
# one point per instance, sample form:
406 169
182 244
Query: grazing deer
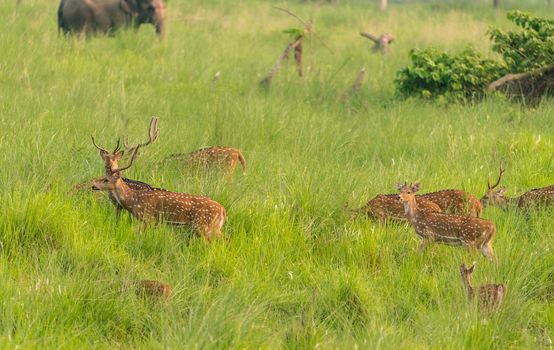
456 202
223 158
444 228
387 207
198 212
111 160
153 289
490 295
497 196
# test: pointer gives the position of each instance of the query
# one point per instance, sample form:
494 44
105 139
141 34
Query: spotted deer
496 196
490 295
223 158
456 202
445 228
153 289
200 213
387 207
111 161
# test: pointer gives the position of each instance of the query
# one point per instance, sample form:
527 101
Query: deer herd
451 217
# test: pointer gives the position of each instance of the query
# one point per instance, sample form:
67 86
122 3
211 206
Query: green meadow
295 270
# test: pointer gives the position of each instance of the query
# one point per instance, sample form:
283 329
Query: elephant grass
296 270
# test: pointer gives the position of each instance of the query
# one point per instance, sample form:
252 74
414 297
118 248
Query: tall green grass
296 271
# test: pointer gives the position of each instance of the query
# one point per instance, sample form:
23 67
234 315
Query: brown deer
497 196
151 206
490 295
111 161
456 202
223 158
444 228
387 207
153 289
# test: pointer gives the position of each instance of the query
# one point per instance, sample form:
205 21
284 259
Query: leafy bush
531 48
436 74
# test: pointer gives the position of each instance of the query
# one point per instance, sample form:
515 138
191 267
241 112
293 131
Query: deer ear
415 187
471 268
502 191
103 154
399 186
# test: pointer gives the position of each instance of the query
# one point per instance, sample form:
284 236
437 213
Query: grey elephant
105 16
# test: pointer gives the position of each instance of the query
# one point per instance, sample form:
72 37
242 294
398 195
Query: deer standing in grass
200 213
446 228
490 295
223 158
536 197
111 161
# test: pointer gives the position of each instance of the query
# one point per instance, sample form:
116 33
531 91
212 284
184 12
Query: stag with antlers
200 213
444 228
111 160
496 196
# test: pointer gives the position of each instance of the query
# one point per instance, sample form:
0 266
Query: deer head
407 196
111 159
495 196
109 182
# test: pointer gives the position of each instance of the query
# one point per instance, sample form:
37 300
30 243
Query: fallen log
528 87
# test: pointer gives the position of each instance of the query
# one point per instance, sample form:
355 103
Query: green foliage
436 74
294 32
464 76
530 48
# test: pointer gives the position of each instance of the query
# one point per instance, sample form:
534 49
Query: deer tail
242 162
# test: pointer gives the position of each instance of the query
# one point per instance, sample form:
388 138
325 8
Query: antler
103 149
135 151
152 135
499 177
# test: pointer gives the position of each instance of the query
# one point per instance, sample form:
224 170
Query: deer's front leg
423 245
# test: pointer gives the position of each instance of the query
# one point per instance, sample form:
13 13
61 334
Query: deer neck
122 193
469 288
109 167
410 209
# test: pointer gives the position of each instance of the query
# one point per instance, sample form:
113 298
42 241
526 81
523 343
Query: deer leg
423 245
117 211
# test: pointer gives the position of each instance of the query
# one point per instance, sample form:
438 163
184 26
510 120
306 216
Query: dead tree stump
528 87
266 82
380 44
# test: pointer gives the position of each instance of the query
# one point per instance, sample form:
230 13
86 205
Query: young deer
536 197
223 158
446 228
198 212
153 289
387 207
490 295
111 161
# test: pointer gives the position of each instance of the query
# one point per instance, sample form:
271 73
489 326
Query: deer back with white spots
387 207
445 228
223 158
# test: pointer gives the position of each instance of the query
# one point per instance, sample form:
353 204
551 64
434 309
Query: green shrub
436 74
440 75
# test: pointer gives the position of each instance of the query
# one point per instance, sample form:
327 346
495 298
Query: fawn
490 295
111 160
446 228
535 197
223 158
198 212
153 289
387 207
